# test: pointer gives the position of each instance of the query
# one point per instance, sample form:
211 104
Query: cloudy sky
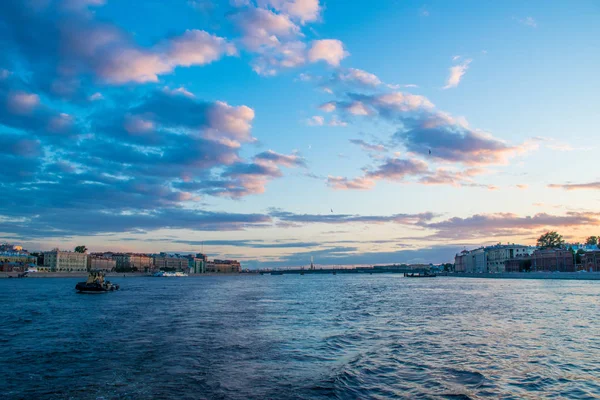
275 130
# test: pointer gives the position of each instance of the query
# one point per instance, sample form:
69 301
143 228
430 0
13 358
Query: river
300 337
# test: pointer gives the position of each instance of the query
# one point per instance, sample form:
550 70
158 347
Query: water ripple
301 337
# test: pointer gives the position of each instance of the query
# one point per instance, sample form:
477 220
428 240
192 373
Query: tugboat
96 284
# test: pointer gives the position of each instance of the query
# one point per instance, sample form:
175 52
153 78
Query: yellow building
101 263
65 261
223 266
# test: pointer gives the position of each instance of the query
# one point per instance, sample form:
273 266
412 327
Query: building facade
498 255
101 263
197 264
460 261
521 263
477 261
65 261
17 257
223 266
552 260
590 261
140 262
165 262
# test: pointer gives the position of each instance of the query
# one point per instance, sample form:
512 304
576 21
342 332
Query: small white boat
165 274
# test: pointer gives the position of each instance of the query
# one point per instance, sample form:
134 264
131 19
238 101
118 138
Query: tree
578 257
80 249
550 240
592 241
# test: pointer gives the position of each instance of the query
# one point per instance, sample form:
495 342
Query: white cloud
315 120
96 96
358 108
336 122
235 122
359 76
528 21
328 107
196 47
262 27
456 74
303 10
329 50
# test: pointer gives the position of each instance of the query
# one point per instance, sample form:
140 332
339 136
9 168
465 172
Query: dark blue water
307 337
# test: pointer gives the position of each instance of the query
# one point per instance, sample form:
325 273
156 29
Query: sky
273 131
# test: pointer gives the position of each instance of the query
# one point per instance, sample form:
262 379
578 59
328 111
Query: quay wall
581 276
111 274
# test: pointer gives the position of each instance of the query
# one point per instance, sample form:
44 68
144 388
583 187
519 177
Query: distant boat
164 274
276 273
425 275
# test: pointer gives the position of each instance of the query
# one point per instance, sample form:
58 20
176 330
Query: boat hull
84 287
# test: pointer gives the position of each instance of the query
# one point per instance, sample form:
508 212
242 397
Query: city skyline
275 130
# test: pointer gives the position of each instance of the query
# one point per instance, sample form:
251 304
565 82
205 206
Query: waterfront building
101 263
460 261
166 262
65 261
223 266
498 255
552 260
591 261
469 262
197 264
477 261
520 263
18 257
12 266
135 261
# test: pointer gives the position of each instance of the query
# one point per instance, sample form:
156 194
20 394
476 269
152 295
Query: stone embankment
582 276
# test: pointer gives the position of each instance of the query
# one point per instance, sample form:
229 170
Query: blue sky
272 130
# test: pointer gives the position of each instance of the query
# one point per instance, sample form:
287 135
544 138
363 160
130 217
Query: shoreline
83 275
586 276
574 276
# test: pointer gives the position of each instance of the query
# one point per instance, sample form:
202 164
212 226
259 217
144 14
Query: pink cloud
304 10
456 74
576 186
329 50
341 183
22 103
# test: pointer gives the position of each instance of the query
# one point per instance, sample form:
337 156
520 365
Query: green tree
80 249
592 241
578 255
550 240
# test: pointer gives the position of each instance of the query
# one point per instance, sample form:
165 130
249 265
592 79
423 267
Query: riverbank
110 275
579 276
